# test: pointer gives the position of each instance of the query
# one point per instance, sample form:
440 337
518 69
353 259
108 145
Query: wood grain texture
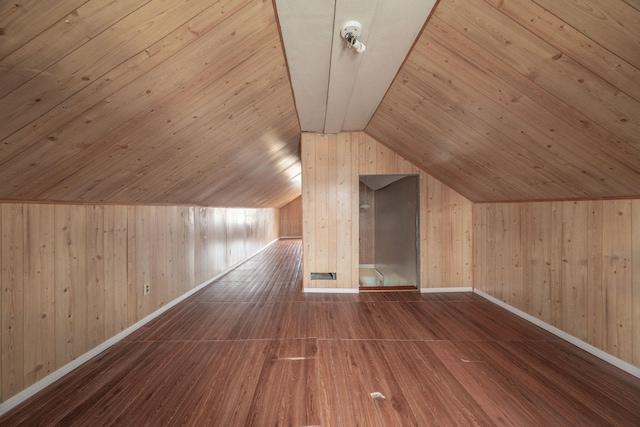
511 100
291 218
128 105
577 271
253 349
13 303
500 100
445 216
73 275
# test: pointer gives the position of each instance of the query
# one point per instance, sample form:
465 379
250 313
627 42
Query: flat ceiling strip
307 32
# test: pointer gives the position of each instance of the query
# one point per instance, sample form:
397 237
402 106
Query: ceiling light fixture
351 30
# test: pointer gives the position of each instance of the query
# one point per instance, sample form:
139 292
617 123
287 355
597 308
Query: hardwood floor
252 349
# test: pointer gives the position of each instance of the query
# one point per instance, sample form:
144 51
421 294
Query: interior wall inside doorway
388 230
367 222
396 255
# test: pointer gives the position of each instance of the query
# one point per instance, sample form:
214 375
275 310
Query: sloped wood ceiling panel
522 100
147 101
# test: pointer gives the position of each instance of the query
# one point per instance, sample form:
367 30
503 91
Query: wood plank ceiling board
507 100
336 89
185 102
147 101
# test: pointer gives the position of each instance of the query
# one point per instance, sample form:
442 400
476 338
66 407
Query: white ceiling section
335 88
307 32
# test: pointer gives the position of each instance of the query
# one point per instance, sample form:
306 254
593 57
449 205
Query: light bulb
359 46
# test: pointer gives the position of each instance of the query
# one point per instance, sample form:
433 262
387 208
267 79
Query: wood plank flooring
252 349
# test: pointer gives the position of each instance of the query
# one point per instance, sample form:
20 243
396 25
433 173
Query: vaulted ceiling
190 102
522 100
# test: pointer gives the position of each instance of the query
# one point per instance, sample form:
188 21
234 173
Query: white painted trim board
443 290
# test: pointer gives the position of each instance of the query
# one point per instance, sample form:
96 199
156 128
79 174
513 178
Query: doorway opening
389 233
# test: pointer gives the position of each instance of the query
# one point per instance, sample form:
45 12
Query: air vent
323 276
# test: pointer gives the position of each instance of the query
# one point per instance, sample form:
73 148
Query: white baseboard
440 290
59 373
627 367
330 291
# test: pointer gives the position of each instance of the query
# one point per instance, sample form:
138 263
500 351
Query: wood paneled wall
72 276
330 193
291 218
574 265
330 209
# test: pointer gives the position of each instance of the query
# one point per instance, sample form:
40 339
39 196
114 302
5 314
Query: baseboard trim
330 291
618 363
441 290
30 391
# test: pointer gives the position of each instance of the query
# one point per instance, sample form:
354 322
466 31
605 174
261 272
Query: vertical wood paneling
12 300
445 234
354 148
162 265
516 257
1 307
219 233
445 216
204 217
309 200
595 291
480 232
330 216
579 267
331 221
39 293
323 261
555 267
115 269
2 267
291 218
140 263
526 232
72 275
446 243
544 271
180 251
616 277
467 244
347 218
186 257
171 257
635 267
501 250
95 303
574 269
70 282
433 243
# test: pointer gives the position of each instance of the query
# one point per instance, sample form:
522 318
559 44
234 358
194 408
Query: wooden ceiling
146 101
522 100
189 102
